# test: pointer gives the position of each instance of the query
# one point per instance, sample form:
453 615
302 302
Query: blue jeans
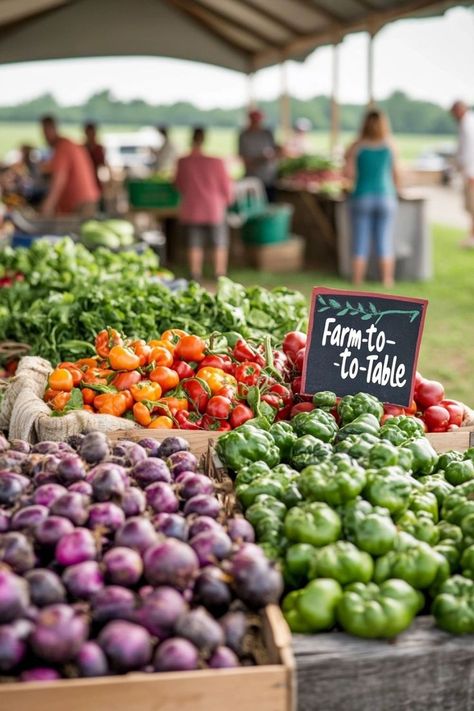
372 218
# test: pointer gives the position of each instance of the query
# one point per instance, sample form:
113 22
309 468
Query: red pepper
215 425
283 392
296 387
212 361
198 393
273 400
243 351
183 369
248 373
240 414
281 363
302 407
188 420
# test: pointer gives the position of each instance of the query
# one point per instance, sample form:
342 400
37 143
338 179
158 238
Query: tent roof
238 34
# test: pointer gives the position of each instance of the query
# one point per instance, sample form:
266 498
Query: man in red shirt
206 192
73 188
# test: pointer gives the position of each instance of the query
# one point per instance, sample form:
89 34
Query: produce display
114 234
116 559
370 526
69 294
314 172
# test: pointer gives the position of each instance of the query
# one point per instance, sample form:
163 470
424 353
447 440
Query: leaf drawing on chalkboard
321 300
372 313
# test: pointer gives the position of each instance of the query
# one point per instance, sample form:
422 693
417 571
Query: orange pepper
146 390
141 349
121 358
50 394
161 423
190 348
88 408
61 379
167 405
173 335
129 399
74 370
162 344
96 376
160 356
85 363
111 403
60 401
106 340
88 395
166 377
141 414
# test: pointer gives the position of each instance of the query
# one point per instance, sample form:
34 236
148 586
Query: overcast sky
429 59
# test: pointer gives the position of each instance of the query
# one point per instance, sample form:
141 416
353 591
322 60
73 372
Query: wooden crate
198 439
279 257
461 439
424 668
268 687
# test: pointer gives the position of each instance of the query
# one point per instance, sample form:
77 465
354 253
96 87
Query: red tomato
418 380
190 348
429 392
227 391
394 410
273 400
302 407
456 411
219 407
183 369
212 423
299 360
240 414
293 342
198 394
283 392
213 361
296 388
436 418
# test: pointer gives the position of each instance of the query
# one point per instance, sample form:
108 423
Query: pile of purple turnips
119 559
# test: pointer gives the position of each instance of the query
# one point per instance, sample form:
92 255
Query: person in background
371 165
465 158
166 155
298 144
206 192
73 186
95 150
259 152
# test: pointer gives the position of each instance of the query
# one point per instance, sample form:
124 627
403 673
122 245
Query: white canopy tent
243 35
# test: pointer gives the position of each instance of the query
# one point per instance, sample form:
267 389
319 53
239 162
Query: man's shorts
202 235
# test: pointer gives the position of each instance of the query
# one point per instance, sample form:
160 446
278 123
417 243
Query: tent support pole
285 102
335 113
251 91
370 68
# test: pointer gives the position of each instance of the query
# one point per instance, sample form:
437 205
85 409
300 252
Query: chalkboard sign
359 342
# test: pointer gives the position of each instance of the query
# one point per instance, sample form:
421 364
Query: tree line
407 115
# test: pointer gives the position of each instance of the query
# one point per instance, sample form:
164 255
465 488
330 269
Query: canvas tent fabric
243 35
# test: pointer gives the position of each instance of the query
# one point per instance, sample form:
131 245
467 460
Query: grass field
221 141
447 352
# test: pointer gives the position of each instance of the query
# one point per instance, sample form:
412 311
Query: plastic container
268 227
152 194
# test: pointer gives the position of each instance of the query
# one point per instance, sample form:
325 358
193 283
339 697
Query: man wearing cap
258 150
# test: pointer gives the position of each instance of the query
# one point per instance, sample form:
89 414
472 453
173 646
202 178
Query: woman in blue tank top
371 165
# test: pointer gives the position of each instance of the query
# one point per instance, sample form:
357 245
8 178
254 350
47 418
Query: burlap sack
26 416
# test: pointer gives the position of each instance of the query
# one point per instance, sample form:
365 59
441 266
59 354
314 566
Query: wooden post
285 103
335 114
370 68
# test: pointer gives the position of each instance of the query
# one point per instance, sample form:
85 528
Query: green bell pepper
424 502
420 526
251 472
356 446
245 445
451 552
313 609
335 482
411 427
459 503
424 456
318 423
450 532
469 454
467 562
390 488
375 611
247 493
459 472
284 473
383 454
364 424
314 523
343 562
269 529
392 434
453 607
299 559
309 450
284 436
371 529
352 406
413 561
264 504
446 458
437 484
325 400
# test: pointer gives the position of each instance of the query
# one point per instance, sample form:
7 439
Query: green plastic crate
152 194
270 226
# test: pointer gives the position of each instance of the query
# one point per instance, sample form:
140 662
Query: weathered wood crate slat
424 669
